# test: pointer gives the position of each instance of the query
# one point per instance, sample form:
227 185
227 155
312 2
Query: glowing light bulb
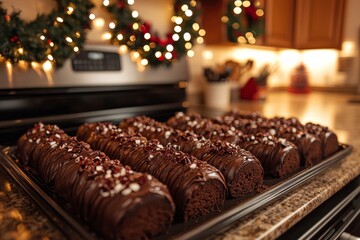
144 62
51 44
187 36
59 19
50 57
170 47
260 12
42 37
175 37
178 20
147 36
193 3
112 25
177 29
241 40
21 50
123 49
237 10
200 40
188 45
120 37
168 55
224 19
184 7
106 36
69 10
158 54
47 66
106 3
135 14
146 48
238 3
135 26
191 53
69 39
196 26
91 16
99 23
202 32
246 3
131 2
135 54
76 49
188 13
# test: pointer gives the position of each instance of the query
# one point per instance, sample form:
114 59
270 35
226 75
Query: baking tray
233 210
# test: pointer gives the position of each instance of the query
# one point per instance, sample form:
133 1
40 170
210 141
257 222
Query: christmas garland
49 38
146 46
244 21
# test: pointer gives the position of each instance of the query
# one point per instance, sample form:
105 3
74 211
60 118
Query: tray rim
198 230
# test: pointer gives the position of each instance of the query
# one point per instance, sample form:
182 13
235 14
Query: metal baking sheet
232 211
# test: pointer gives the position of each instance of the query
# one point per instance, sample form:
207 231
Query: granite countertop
21 218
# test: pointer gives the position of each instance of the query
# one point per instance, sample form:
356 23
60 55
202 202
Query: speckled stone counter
20 218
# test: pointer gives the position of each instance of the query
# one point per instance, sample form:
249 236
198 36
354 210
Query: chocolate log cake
308 144
278 156
114 200
328 139
197 187
242 170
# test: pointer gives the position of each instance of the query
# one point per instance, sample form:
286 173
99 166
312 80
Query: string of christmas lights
48 40
244 21
146 48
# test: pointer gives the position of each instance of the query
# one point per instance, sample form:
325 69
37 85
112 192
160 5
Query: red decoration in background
145 27
251 12
15 39
120 5
250 90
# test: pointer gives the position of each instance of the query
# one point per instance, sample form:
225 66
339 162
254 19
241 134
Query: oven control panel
96 61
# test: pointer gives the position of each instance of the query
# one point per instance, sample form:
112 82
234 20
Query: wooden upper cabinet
319 23
279 23
211 14
304 24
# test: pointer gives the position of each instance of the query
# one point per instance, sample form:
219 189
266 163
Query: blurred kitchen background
291 38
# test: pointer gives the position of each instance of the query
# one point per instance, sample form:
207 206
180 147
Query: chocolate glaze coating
309 145
241 169
278 156
107 195
328 139
197 187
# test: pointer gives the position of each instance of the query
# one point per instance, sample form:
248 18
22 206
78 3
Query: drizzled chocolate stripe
241 169
107 195
278 156
197 187
309 145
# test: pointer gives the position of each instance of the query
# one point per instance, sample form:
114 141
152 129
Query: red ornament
155 39
251 11
14 39
145 27
7 18
161 58
120 4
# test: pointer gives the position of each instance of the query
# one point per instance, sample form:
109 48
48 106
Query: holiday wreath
147 47
244 21
53 37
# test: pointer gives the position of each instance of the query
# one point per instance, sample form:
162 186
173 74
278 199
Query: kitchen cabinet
300 24
304 24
